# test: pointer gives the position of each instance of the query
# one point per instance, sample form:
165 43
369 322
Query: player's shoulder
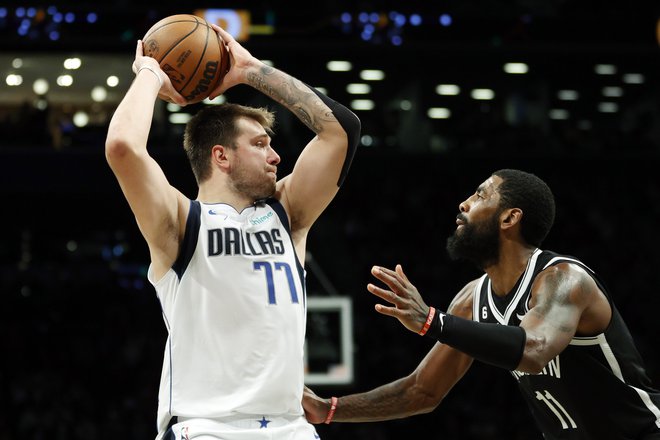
461 305
565 269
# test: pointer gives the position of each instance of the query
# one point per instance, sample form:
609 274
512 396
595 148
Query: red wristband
429 320
333 408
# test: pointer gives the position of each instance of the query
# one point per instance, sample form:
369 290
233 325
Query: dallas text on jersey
233 241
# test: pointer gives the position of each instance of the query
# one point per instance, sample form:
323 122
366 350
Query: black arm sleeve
495 344
351 125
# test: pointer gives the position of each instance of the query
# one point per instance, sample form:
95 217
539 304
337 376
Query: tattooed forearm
387 402
292 94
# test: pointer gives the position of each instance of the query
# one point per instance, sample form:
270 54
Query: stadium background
82 335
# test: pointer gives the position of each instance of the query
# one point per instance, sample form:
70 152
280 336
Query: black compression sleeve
495 344
351 125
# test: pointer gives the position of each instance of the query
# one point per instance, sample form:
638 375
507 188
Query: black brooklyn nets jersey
597 388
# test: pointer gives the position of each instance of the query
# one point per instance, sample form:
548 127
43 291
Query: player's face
477 235
254 169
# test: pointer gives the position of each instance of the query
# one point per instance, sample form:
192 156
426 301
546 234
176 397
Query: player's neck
223 194
510 266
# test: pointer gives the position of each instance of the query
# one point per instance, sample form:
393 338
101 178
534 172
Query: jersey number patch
268 270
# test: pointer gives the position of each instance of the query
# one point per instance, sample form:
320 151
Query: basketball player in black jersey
546 318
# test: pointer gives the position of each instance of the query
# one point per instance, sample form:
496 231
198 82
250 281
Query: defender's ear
510 217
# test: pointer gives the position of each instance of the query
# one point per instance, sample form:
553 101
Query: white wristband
149 68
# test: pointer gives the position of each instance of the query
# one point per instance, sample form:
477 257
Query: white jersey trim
649 404
601 340
475 298
522 288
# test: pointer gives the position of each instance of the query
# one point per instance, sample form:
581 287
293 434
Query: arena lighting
17 63
366 140
368 32
633 78
14 79
447 89
339 66
172 107
516 68
40 86
179 118
568 95
482 94
80 119
72 63
372 75
605 69
99 94
438 113
612 92
608 107
362 104
112 81
558 114
445 20
41 104
64 80
358 89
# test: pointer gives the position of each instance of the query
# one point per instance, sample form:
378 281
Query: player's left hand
240 60
408 306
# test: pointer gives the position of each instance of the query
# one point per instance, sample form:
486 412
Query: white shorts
245 428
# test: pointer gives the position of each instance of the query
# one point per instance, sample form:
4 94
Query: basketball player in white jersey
546 318
227 266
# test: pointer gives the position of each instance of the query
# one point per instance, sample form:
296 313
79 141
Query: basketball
191 53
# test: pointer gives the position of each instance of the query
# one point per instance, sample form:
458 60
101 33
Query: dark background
82 334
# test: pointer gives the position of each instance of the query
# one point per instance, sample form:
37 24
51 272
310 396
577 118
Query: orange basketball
191 53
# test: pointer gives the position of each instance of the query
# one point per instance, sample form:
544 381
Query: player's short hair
216 125
533 196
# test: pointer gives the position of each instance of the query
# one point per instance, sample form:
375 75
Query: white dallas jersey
234 306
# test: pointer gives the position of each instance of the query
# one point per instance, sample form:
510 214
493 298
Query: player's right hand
316 408
167 91
407 304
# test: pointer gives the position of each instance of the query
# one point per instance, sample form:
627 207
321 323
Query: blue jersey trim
189 239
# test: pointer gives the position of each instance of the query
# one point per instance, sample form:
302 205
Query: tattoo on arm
383 403
294 95
559 287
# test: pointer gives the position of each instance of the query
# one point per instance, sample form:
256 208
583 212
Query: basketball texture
191 53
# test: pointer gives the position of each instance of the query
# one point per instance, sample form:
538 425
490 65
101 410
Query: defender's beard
478 243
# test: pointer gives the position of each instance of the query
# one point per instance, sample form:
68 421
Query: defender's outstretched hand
316 408
408 306
167 91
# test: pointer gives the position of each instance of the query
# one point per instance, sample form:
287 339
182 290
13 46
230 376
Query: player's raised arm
151 198
323 164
